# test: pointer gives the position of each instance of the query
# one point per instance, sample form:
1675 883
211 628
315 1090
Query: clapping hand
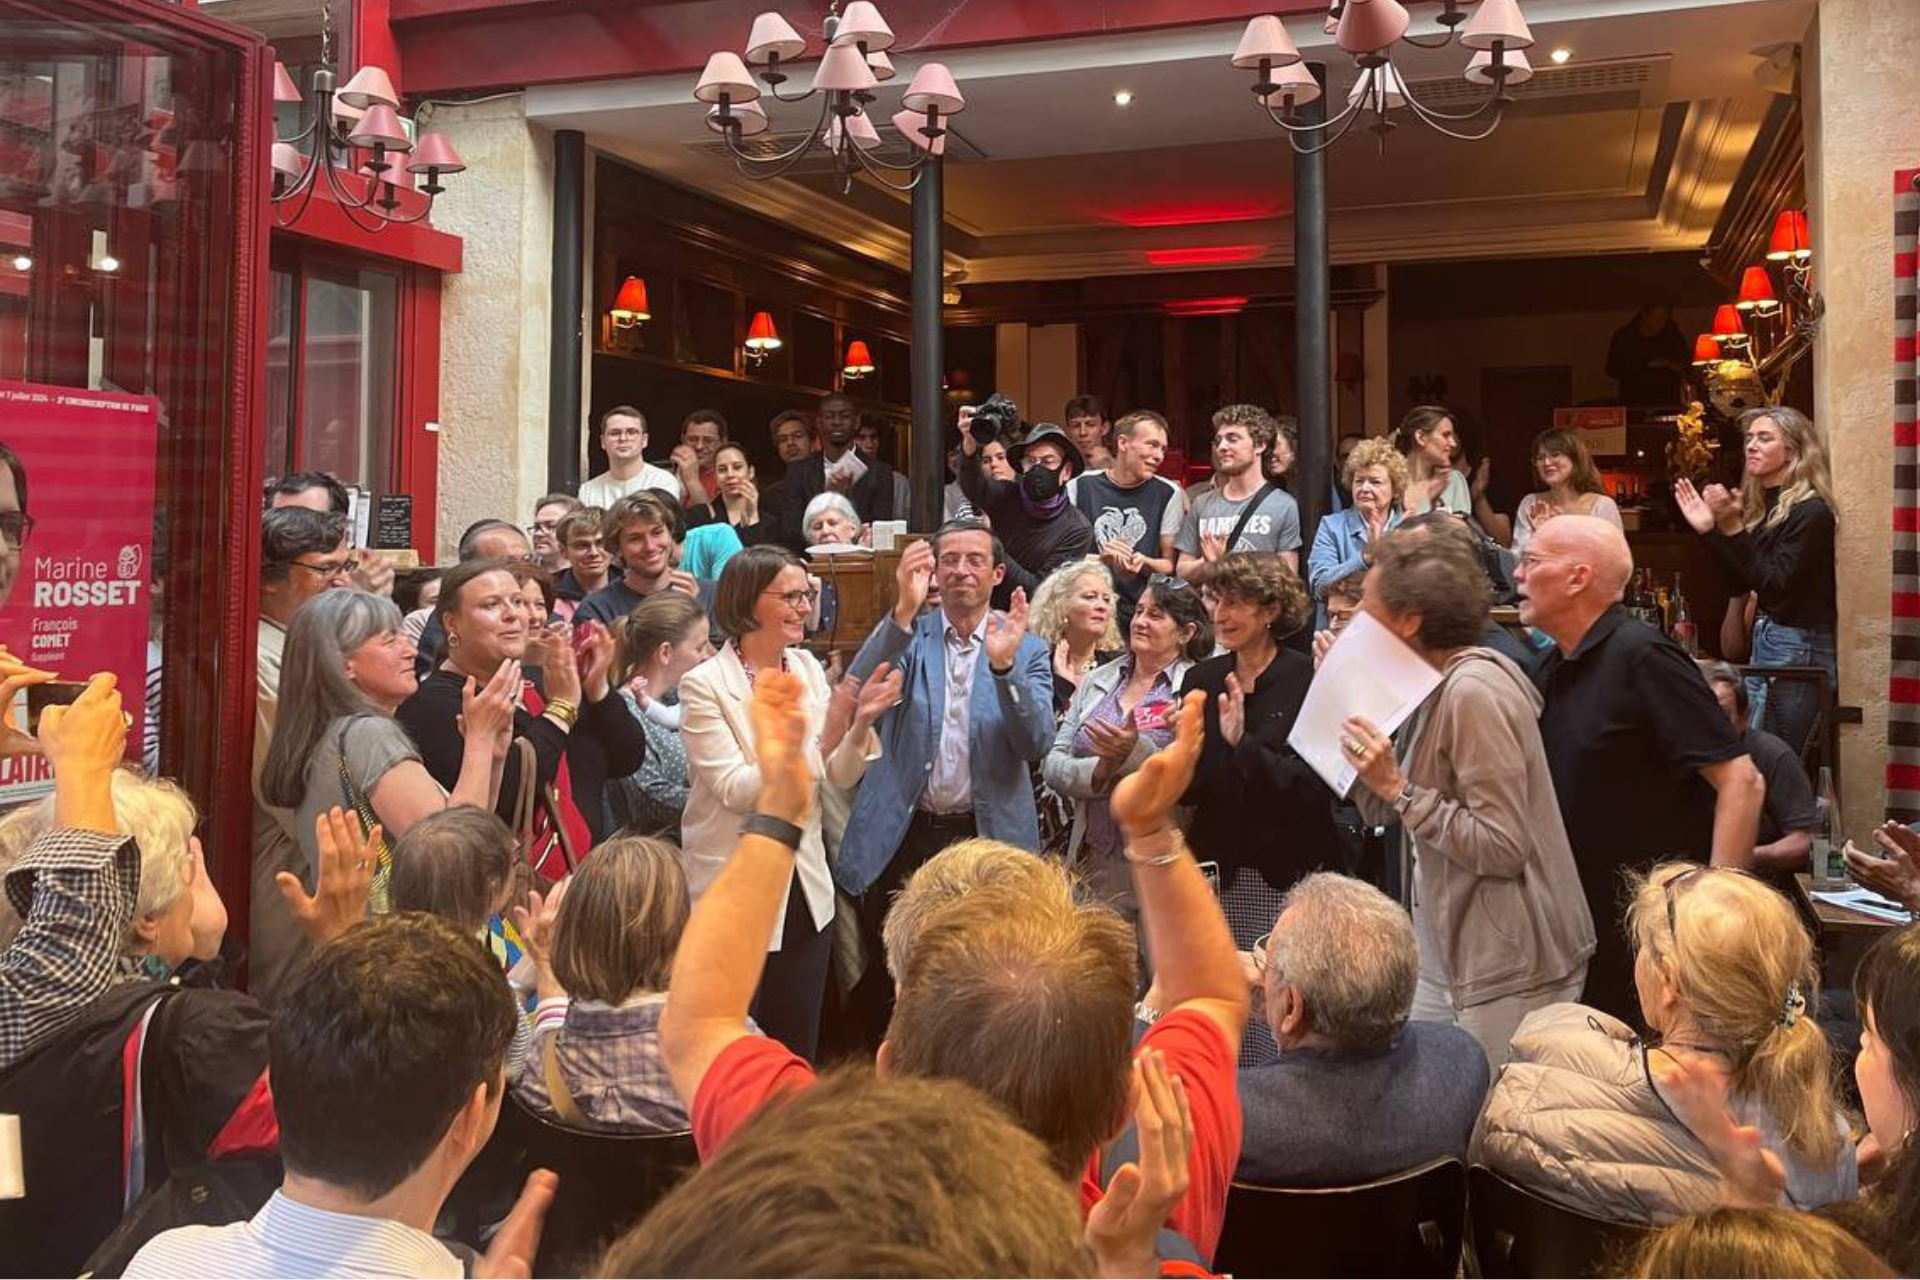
1897 875
1212 546
877 695
1707 509
346 877
1322 644
911 580
1481 475
683 582
597 653
1695 1087
1122 1228
374 573
1113 746
1006 630
1233 711
535 923
510 1255
1144 800
16 675
779 735
488 712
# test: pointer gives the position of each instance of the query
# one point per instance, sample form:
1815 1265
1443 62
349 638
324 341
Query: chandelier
1758 338
1369 30
854 64
356 142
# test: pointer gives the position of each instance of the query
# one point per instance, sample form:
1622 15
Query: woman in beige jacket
761 605
1502 924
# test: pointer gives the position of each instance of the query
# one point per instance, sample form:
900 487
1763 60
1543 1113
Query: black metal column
1312 318
564 354
928 473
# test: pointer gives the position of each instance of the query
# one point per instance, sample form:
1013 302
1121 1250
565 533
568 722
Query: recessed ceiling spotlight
1561 56
21 262
1123 97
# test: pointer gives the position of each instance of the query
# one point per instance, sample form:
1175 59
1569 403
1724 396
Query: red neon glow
1203 255
1220 306
1197 214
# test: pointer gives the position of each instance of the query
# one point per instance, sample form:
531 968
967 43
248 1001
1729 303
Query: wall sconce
859 361
762 339
630 307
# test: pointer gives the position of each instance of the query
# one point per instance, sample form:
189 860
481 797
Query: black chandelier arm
775 166
1461 135
773 91
1341 126
340 195
877 169
874 162
1334 122
301 191
1433 115
1448 38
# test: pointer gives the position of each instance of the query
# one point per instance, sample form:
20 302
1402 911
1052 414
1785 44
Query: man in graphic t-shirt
1242 434
1135 512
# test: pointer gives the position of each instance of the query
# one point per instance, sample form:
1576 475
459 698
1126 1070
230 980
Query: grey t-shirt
374 744
1274 525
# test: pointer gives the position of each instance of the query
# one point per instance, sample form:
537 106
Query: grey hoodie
1496 874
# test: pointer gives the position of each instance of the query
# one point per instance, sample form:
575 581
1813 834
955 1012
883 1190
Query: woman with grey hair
1502 921
830 520
347 668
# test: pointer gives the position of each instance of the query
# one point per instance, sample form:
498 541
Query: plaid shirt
76 891
610 1061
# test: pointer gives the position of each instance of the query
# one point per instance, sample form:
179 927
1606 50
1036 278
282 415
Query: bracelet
1149 847
776 829
1405 798
562 713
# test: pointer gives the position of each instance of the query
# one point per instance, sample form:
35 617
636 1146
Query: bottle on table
1684 632
1829 865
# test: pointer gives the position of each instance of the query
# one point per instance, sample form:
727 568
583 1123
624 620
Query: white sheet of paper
1370 673
850 466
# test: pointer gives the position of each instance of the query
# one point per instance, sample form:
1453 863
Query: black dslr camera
997 418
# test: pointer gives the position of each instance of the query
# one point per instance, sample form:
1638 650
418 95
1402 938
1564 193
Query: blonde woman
1776 540
1727 979
1073 611
1376 476
1572 486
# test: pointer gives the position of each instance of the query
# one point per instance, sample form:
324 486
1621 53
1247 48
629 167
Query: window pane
347 372
279 396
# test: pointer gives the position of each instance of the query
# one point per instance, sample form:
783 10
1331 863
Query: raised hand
374 572
1006 630
911 580
1063 665
345 881
1371 754
596 655
1695 1087
1693 508
1481 475
779 734
535 923
510 1255
1212 546
559 673
1233 711
16 675
686 461
880 694
488 712
1322 643
90 733
683 582
1122 1228
1724 505
1897 875
1113 743
1143 802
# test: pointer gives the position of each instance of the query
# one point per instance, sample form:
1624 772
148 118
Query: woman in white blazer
761 605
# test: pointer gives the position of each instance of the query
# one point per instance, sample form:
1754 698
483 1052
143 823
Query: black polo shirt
1629 723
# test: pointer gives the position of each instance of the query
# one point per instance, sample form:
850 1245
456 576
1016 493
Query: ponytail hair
1738 958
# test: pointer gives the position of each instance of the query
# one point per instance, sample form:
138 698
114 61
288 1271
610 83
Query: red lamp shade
859 360
1727 325
630 306
1706 350
761 335
1790 239
1756 291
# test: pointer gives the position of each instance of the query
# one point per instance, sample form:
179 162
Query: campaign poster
76 541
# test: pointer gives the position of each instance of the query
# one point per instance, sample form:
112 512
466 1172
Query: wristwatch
1405 798
765 824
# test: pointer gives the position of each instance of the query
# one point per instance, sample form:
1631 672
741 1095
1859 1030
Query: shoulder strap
1246 514
557 1092
354 799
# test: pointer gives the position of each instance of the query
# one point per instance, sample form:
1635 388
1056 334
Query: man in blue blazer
977 711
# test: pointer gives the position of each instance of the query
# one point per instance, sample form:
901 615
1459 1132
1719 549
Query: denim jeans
1794 708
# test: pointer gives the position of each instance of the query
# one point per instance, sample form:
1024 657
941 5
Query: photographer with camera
1039 527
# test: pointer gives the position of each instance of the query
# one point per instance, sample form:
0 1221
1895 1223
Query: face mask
1041 492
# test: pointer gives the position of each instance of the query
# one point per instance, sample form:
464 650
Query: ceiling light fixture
21 262
108 263
1123 97
1369 31
1561 57
853 65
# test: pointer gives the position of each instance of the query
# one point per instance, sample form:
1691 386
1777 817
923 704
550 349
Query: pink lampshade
1294 81
881 66
752 118
773 37
1367 26
369 87
287 160
1332 24
933 89
1519 70
1383 87
726 76
910 124
381 127
346 113
855 126
843 70
433 151
1265 40
1496 22
284 89
861 24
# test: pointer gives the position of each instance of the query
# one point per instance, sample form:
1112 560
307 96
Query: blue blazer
1339 545
1011 726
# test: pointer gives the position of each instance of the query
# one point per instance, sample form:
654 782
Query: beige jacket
1496 875
1575 1117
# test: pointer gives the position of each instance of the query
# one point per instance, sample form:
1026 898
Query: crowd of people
1002 946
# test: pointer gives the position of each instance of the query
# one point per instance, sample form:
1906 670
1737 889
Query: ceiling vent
1602 86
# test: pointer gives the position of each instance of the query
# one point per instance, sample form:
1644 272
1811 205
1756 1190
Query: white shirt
298 1242
950 783
603 490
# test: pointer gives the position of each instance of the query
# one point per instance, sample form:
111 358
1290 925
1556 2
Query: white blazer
716 727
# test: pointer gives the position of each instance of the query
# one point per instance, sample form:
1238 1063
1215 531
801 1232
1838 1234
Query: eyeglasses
795 599
1170 581
329 568
15 527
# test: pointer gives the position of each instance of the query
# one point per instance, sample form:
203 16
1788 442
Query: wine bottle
1684 630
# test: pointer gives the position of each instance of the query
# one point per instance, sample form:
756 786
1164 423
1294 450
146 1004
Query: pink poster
76 538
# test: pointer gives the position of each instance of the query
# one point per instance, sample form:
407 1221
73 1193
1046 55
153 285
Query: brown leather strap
557 1092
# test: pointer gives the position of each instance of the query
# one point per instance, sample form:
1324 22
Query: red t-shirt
754 1068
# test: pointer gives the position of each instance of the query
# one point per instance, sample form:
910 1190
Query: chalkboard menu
393 522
